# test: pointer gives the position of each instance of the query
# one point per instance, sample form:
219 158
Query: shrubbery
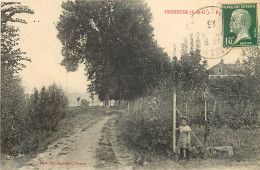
84 102
28 120
149 129
149 133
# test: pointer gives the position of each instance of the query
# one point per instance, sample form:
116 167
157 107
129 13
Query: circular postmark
206 22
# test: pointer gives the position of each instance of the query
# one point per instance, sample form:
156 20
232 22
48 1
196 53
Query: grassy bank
149 134
67 125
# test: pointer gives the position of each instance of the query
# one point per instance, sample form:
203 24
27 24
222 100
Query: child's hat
184 117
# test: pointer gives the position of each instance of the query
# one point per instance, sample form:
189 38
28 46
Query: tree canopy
115 41
11 56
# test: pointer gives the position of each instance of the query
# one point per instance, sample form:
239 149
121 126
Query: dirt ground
85 142
86 139
112 154
70 138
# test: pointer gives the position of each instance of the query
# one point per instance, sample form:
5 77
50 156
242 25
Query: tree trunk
128 106
186 109
107 101
213 113
131 106
119 104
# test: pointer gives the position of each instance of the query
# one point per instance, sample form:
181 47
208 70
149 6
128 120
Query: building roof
232 68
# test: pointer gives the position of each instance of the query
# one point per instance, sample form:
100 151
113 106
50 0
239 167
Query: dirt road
91 143
76 151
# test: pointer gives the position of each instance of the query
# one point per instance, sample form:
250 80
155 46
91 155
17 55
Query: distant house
222 70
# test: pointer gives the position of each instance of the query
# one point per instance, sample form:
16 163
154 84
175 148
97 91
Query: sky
39 40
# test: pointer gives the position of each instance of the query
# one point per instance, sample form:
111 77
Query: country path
76 151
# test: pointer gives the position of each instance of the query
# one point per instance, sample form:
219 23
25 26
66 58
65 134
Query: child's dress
184 138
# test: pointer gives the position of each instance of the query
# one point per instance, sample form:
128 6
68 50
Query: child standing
184 141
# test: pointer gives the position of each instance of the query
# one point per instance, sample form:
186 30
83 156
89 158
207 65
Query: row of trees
115 41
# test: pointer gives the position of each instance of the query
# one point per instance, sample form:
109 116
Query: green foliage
252 63
84 102
147 132
27 121
231 104
234 116
7 112
12 97
149 129
240 96
11 56
241 140
189 73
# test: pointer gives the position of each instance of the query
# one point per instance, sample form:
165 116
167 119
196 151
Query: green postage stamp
239 25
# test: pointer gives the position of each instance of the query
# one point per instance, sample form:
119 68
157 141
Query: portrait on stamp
240 23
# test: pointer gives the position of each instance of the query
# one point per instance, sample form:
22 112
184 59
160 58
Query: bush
47 107
7 110
148 131
147 135
27 121
84 102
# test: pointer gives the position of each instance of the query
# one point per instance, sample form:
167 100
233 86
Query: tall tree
184 47
11 57
114 40
192 73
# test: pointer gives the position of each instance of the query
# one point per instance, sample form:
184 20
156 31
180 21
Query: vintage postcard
130 84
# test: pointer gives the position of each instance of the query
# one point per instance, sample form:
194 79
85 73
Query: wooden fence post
174 121
205 95
205 110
